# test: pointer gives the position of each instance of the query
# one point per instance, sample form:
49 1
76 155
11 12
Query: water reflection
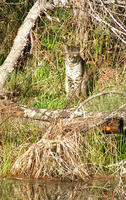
43 190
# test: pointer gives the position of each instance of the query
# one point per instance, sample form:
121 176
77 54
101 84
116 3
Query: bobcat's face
72 54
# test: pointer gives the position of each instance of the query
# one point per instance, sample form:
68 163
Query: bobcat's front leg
69 87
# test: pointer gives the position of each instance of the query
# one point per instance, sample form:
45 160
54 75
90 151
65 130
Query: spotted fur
76 72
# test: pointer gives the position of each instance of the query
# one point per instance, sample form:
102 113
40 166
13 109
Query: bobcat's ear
65 48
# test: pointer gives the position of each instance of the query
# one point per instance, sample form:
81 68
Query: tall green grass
41 83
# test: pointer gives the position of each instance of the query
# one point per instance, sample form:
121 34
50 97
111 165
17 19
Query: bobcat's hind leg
77 87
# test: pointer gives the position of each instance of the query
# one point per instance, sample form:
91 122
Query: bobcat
76 72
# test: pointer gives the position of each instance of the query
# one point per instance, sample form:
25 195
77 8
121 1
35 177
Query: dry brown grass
111 78
59 154
69 153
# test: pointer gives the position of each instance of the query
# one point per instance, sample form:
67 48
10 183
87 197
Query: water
99 189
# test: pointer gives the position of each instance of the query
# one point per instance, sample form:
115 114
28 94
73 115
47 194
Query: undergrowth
40 81
60 152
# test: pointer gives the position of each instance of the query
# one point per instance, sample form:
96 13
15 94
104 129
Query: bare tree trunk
21 39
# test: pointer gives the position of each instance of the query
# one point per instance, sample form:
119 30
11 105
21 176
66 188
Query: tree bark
21 39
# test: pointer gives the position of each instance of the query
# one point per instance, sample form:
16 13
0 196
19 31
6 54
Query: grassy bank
39 81
60 152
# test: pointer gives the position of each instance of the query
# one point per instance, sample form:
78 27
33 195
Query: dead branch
99 11
74 117
95 96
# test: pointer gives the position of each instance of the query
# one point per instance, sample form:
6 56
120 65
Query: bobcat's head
72 53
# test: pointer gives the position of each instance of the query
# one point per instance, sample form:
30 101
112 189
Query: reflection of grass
34 189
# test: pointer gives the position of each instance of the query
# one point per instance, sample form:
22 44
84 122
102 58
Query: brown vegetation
75 145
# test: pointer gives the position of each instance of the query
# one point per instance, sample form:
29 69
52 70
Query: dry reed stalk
56 155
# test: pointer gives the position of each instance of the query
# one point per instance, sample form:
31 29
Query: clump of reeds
57 155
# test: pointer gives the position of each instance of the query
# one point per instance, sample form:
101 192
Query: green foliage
104 151
40 81
11 139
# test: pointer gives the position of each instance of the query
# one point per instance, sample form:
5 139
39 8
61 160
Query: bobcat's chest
73 71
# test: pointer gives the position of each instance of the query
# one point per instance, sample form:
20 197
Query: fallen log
110 121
